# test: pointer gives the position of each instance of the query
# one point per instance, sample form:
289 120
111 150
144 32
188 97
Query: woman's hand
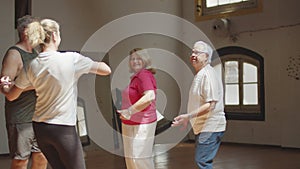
5 80
125 114
5 83
7 87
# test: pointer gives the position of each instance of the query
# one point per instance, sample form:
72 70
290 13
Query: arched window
242 72
210 9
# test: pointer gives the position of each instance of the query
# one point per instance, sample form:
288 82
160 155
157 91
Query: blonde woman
54 76
138 112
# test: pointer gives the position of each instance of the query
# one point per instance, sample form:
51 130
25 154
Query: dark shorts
21 141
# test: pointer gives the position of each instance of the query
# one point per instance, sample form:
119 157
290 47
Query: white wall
7 39
79 20
274 34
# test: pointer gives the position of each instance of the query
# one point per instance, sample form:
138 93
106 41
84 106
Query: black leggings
60 144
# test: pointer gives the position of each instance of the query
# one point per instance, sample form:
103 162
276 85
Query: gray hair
205 48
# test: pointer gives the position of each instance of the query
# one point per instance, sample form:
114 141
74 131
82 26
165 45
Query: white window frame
202 12
243 55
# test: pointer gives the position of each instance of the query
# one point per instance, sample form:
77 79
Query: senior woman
138 112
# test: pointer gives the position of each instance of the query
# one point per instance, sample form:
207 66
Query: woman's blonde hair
145 58
50 26
34 33
40 33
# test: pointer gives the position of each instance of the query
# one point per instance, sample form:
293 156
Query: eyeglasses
196 52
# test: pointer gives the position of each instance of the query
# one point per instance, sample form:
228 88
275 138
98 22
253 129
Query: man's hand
181 120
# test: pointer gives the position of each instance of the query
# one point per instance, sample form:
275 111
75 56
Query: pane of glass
235 1
250 94
81 121
231 72
218 69
211 3
223 2
82 128
232 95
250 73
80 113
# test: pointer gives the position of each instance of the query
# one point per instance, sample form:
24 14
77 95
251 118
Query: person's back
54 76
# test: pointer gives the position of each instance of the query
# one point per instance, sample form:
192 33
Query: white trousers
138 143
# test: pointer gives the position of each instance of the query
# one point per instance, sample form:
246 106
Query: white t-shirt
206 87
54 76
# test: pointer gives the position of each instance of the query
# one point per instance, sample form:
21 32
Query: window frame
224 11
22 8
243 55
85 139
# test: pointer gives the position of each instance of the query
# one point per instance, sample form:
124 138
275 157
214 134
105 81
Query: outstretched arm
183 119
100 68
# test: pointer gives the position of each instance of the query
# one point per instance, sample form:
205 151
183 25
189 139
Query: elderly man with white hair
205 107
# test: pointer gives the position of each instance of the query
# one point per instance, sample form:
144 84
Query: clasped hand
5 80
5 83
124 114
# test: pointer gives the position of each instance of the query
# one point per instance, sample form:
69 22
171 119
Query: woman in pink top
138 112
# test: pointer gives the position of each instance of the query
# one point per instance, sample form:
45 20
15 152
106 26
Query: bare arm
203 109
140 105
100 68
13 93
183 119
11 66
144 101
29 88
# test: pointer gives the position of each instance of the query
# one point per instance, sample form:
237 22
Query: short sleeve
147 81
210 88
82 64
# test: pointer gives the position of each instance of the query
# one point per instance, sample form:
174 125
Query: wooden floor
230 156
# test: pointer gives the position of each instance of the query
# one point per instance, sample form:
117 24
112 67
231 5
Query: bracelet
129 111
190 116
127 114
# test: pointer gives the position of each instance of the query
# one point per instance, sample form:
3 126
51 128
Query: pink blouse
140 82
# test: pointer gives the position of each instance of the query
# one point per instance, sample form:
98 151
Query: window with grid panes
243 79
